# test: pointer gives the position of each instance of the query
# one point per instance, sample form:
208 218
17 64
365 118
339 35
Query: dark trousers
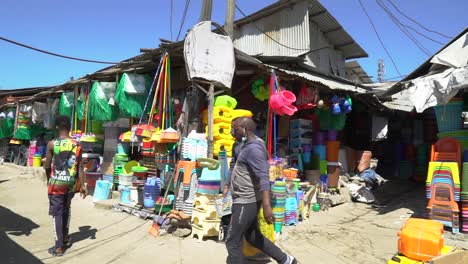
244 224
59 209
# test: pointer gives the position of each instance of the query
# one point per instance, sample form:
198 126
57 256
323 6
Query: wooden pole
207 9
230 12
210 119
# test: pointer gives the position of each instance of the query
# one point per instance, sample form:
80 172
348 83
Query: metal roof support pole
207 9
230 12
210 120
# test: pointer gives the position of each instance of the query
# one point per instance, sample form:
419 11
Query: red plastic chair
447 149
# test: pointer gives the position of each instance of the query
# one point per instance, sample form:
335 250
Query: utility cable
55 54
378 36
268 36
403 29
416 22
184 15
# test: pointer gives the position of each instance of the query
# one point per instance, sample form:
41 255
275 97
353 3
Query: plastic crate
301 123
449 116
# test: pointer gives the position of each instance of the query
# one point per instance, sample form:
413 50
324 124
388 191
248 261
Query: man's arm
48 159
231 167
258 163
81 174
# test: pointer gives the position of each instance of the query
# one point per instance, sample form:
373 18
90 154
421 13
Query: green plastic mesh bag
66 104
7 126
101 99
130 96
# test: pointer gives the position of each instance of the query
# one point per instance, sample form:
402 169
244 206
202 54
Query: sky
114 30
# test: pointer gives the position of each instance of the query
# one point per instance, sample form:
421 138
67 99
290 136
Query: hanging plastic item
260 90
131 104
7 127
101 101
225 100
23 130
39 111
134 84
307 98
66 104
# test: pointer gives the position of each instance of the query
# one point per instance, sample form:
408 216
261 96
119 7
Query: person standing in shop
250 189
65 177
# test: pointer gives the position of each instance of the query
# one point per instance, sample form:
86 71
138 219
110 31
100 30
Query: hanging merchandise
49 119
225 100
128 95
80 104
281 101
308 98
260 90
101 102
7 126
23 129
66 104
39 111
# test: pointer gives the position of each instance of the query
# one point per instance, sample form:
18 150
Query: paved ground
350 233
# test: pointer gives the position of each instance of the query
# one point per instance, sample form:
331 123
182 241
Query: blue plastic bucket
151 190
125 195
321 150
102 190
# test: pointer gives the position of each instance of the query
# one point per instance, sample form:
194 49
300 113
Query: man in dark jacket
250 188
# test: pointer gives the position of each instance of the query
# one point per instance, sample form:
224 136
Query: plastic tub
102 190
333 150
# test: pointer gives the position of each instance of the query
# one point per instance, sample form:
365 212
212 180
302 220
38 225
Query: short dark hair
247 123
63 123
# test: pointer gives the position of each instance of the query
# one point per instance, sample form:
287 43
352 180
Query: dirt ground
349 233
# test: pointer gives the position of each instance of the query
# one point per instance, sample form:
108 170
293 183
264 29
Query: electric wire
55 54
378 37
268 36
184 15
422 35
416 22
403 29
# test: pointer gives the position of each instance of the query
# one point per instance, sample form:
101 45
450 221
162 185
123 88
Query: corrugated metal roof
354 68
400 101
334 31
316 13
288 26
329 82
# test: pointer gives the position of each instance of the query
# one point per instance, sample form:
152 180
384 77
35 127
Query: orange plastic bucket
333 151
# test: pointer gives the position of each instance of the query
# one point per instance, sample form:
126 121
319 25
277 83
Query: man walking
250 189
62 167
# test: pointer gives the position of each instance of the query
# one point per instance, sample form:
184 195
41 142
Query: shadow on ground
16 225
85 232
396 194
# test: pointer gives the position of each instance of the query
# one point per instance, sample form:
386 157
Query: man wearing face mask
250 188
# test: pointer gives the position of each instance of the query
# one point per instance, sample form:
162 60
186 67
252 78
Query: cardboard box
460 257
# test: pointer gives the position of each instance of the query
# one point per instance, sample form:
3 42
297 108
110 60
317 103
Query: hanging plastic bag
99 107
131 105
39 111
66 104
134 83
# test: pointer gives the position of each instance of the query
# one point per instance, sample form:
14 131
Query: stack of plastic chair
194 148
438 173
447 149
464 198
442 206
290 217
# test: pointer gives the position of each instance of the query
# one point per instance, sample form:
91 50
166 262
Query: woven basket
449 116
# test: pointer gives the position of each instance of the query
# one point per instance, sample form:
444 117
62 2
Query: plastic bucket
320 150
102 190
276 101
319 138
108 177
141 175
288 97
307 157
37 161
332 135
323 167
288 109
92 177
333 175
125 179
125 195
333 151
312 176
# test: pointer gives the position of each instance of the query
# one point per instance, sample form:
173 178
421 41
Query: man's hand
83 191
225 190
268 213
